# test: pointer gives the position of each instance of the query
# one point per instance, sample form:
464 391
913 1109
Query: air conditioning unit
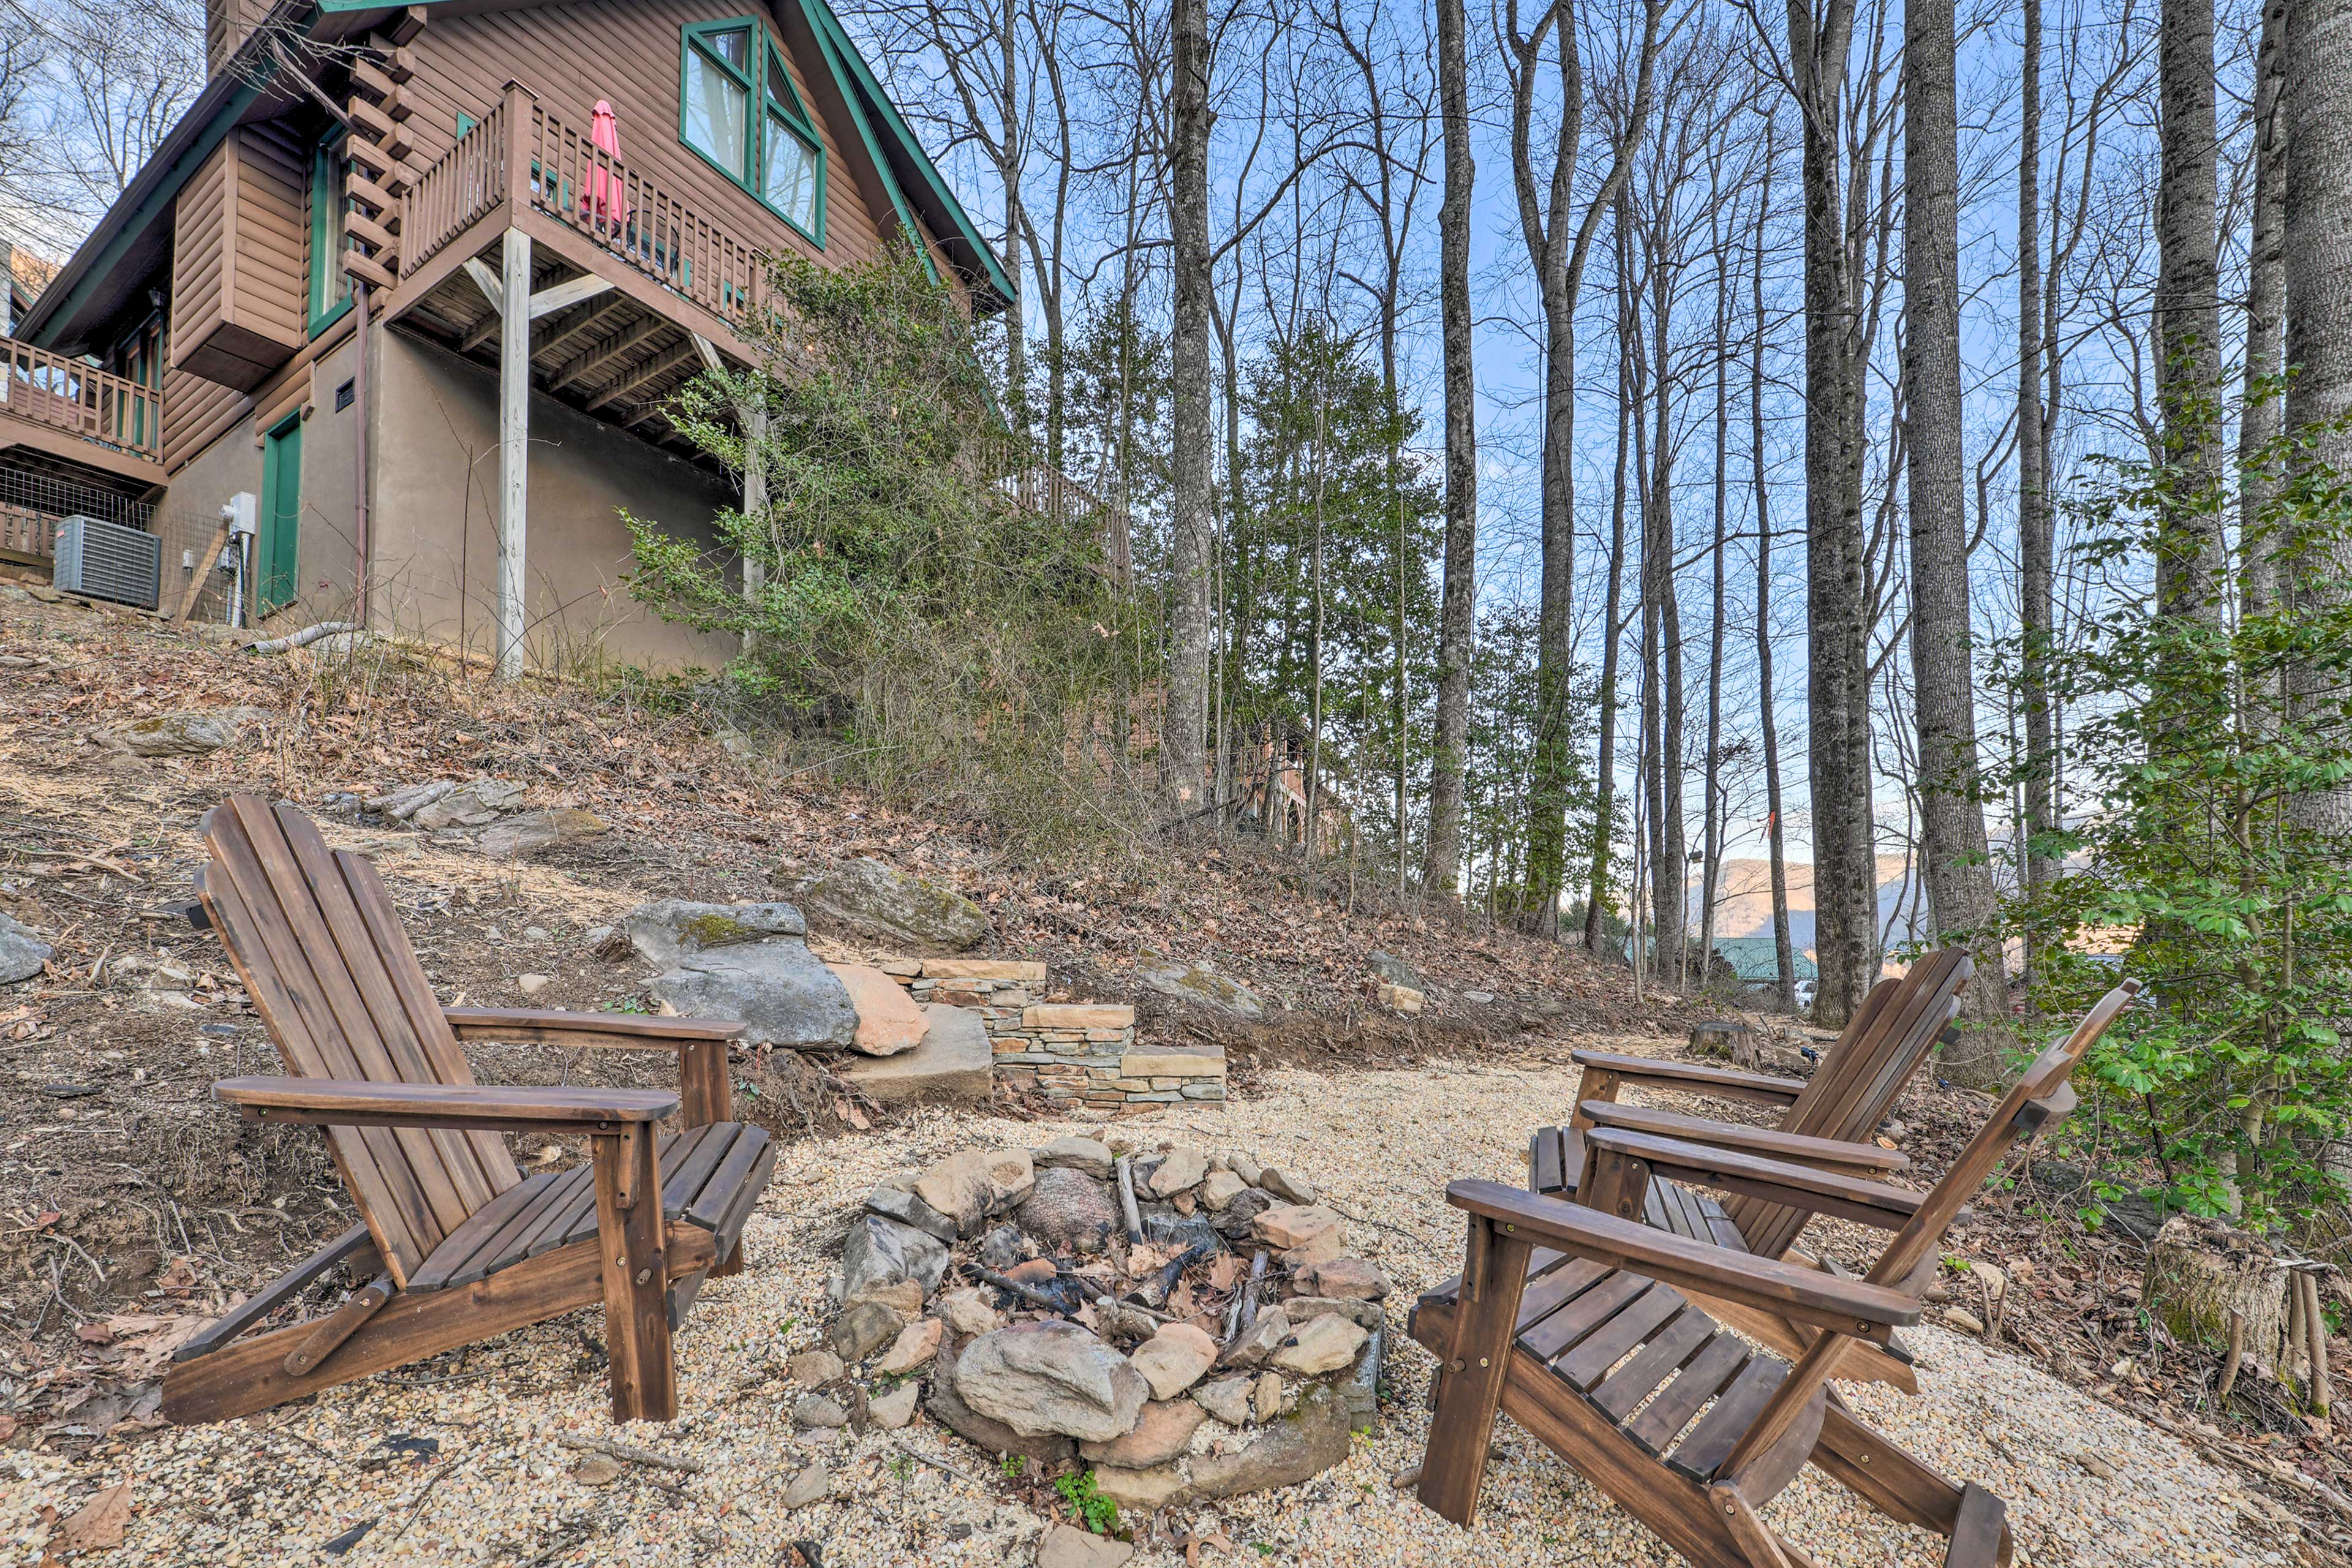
108 561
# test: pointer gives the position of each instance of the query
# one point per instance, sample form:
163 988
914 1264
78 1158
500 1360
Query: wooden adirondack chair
459 1244
1828 1122
1575 1319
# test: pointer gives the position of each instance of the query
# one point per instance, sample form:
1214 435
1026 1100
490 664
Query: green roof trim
91 266
902 136
863 94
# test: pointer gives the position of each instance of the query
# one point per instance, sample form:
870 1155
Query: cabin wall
227 24
626 52
240 259
435 454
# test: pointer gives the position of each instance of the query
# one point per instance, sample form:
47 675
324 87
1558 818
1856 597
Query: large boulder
881 1251
1394 971
748 962
873 896
1285 1450
1069 1211
947 1407
668 932
1197 986
1052 1377
971 1186
22 954
888 1020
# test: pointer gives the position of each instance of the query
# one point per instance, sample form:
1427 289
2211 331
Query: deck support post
514 447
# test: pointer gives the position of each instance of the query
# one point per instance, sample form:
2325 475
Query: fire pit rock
1226 1342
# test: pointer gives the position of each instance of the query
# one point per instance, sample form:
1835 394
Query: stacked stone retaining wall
1081 1052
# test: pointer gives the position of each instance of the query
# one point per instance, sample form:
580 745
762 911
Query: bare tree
1183 757
1775 834
2190 550
122 76
2035 521
1958 874
2319 238
2259 421
1458 606
1559 241
1820 37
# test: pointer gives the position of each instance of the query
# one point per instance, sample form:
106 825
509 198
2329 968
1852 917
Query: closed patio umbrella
604 195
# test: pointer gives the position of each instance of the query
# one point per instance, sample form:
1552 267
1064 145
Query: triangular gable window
750 123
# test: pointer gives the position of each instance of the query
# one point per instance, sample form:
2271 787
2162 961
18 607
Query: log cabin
420 281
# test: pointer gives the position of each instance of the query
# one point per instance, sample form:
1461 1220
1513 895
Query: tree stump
1729 1039
2199 1271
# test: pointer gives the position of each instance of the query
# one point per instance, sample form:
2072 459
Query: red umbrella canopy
603 192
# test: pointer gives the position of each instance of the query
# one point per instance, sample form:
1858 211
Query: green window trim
770 107
465 122
330 288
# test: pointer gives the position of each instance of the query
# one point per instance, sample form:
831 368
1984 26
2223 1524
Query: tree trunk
2318 265
2190 551
1457 624
1182 758
2035 524
2259 422
1710 806
1959 872
1670 840
1784 947
1846 875
1604 776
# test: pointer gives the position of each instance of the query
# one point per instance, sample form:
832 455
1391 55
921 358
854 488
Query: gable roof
121 250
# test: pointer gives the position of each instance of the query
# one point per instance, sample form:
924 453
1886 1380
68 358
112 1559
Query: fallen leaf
99 1524
94 1333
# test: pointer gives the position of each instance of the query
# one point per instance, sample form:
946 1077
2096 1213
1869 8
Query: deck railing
80 399
522 147
449 196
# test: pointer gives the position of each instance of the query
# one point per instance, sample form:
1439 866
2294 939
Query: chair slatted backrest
1846 1099
315 938
2041 1094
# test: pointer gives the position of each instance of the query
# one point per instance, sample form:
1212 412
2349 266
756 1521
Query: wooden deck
672 273
60 407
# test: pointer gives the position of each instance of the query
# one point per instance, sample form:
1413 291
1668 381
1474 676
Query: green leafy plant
2205 850
1088 1507
1014 1466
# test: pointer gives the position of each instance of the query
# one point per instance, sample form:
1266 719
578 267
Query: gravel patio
464 1459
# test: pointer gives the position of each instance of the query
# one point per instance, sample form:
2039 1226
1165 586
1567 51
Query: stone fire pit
1188 1326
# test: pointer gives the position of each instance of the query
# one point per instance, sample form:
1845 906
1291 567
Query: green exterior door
281 517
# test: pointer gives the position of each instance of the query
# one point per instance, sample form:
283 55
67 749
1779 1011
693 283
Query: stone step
953 1063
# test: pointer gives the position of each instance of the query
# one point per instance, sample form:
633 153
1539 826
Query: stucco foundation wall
435 521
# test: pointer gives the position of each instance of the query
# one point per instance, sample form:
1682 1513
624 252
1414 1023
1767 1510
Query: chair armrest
1728 1082
621 1031
344 1102
1727 1170
1852 1307
1791 1146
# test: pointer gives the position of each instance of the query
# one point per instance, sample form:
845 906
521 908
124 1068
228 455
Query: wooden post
636 1282
514 448
1596 1084
1470 1384
707 1095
